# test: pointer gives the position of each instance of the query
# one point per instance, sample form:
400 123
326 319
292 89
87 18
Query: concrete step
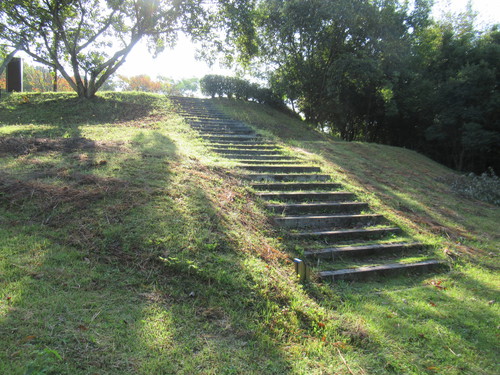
229 125
201 110
347 234
248 149
363 250
315 208
203 115
284 169
382 270
216 123
225 133
221 128
297 186
261 161
255 155
231 138
285 177
243 157
255 143
312 196
328 221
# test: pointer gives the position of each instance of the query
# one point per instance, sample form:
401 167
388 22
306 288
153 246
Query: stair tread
278 168
325 216
312 193
360 248
376 268
314 204
286 176
324 232
321 184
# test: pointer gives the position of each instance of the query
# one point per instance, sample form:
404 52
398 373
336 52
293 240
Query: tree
337 60
466 126
140 82
86 41
40 79
185 86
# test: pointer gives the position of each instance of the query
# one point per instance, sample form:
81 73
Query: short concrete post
15 75
302 270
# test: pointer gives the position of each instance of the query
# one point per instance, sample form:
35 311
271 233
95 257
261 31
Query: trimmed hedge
231 87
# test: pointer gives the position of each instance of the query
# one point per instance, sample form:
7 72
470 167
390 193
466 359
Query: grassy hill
126 247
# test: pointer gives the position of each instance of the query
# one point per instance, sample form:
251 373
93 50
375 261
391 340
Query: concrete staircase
335 233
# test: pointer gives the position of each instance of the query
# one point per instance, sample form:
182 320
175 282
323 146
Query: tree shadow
447 317
126 267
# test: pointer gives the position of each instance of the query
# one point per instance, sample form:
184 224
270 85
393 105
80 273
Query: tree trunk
54 81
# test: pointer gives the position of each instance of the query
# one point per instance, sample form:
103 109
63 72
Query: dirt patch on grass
79 193
15 146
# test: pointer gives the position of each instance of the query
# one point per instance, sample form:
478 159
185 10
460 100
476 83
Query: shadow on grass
447 317
129 270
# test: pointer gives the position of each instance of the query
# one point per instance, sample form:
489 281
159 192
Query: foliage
141 82
212 85
182 87
165 85
465 124
40 79
336 61
382 71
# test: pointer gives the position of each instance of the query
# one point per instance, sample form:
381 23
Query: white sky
180 62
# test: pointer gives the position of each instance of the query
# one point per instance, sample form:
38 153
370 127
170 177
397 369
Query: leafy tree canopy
88 40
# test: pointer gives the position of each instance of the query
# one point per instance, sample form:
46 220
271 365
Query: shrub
485 187
213 85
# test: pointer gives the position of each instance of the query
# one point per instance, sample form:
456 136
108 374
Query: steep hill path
339 235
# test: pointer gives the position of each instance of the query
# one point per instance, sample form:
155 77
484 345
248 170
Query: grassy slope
105 268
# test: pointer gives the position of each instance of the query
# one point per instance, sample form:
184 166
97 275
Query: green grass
127 248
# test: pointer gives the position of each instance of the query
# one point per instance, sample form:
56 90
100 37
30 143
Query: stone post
15 75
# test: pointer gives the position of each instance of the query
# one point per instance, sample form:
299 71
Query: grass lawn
127 248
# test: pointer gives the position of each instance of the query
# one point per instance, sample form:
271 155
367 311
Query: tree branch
9 57
96 35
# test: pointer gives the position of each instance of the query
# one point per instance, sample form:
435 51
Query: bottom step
355 251
363 272
346 234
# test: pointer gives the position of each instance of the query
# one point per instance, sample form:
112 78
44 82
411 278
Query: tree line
382 71
372 70
396 77
41 79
